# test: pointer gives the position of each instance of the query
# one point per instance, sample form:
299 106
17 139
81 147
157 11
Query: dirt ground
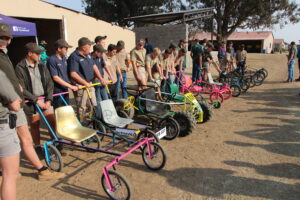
249 150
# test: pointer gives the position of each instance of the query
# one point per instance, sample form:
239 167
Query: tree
115 11
232 14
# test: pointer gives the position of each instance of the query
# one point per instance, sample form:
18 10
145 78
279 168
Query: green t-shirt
197 51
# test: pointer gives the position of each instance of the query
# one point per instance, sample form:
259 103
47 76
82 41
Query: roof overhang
183 16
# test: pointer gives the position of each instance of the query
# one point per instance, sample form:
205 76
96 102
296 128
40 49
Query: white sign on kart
161 133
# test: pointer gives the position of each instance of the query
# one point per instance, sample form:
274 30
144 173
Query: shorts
21 118
205 66
9 141
143 73
157 80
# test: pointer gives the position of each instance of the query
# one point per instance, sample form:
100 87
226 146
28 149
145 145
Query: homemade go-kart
69 131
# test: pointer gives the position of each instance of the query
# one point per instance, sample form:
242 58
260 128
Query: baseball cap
99 48
33 47
121 44
99 37
172 45
43 42
5 30
62 43
84 41
141 42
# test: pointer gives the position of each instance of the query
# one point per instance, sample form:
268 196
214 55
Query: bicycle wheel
159 158
121 189
216 96
93 142
259 79
147 133
172 127
236 90
56 162
227 94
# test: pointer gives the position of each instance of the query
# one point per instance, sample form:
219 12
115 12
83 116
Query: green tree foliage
244 14
115 11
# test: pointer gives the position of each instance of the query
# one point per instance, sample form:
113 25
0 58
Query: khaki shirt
152 62
241 55
112 65
138 56
178 60
165 63
7 94
36 80
122 58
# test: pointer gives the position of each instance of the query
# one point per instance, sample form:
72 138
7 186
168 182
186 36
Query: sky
290 32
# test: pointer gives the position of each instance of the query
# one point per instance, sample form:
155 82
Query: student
179 63
113 65
21 123
9 141
36 81
222 56
208 60
101 40
241 57
182 45
166 66
58 68
154 69
196 53
83 70
138 56
123 59
291 61
148 46
43 56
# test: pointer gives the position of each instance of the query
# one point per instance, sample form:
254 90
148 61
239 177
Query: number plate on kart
126 132
161 133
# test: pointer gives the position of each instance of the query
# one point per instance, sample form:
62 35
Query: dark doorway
47 29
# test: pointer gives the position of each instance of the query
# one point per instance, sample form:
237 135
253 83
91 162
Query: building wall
76 24
161 36
268 43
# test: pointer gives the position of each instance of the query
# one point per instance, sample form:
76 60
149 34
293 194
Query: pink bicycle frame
116 160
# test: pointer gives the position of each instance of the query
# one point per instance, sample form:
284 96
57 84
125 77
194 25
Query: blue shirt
58 67
83 66
100 64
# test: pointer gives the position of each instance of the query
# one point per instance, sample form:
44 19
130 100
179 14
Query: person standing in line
241 58
291 61
148 46
138 58
58 68
222 56
298 56
123 59
196 53
9 141
43 56
113 66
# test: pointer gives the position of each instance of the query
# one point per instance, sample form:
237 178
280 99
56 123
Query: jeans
196 71
291 70
57 101
101 94
124 85
241 67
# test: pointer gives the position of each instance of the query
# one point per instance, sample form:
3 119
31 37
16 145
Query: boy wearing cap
166 65
123 59
58 68
36 81
83 70
100 90
138 58
43 55
21 123
241 57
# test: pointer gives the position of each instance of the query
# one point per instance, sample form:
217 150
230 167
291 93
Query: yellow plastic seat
68 126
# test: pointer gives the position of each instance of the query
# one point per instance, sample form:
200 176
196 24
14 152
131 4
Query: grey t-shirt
7 94
292 53
35 75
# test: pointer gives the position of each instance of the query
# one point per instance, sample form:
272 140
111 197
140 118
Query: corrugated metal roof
278 41
259 35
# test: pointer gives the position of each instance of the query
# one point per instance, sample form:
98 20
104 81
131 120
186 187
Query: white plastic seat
68 126
110 116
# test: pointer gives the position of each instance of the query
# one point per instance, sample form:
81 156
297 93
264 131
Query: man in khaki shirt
138 57
123 59
113 65
167 66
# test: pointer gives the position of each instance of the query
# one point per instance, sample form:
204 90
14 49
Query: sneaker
50 175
